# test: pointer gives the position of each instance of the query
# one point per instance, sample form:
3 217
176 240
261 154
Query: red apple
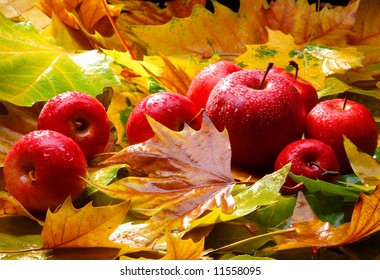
311 158
307 90
43 168
170 109
203 83
79 116
329 120
261 118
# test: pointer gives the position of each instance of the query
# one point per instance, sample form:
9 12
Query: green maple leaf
34 69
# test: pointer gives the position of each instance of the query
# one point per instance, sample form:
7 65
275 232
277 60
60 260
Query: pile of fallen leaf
176 195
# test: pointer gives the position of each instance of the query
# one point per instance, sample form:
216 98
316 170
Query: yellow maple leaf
182 249
89 226
315 61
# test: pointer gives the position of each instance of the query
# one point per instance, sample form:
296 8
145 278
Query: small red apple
203 83
262 115
329 120
170 109
307 90
79 116
311 158
43 168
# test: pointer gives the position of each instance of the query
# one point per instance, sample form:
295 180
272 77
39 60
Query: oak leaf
89 226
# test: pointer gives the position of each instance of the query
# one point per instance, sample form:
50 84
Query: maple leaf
43 69
310 231
182 36
309 25
91 13
89 226
315 61
186 173
9 206
180 249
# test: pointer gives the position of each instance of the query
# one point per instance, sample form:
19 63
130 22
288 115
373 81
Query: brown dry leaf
310 231
367 25
148 13
91 13
182 249
329 26
86 227
183 174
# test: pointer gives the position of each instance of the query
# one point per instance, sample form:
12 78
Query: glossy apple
311 158
203 83
261 117
307 90
79 116
329 120
43 168
170 109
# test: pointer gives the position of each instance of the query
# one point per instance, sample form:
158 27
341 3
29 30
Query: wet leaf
46 69
186 173
248 198
315 61
86 227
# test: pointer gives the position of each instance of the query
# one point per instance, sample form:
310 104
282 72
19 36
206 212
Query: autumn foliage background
176 196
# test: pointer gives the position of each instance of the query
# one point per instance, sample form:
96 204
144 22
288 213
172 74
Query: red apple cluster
46 166
274 117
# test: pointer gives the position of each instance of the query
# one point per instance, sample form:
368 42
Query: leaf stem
114 26
241 242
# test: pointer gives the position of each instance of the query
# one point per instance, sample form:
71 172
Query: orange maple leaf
310 231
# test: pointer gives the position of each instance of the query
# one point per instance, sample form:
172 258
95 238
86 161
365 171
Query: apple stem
325 172
270 65
295 65
345 100
197 116
31 175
